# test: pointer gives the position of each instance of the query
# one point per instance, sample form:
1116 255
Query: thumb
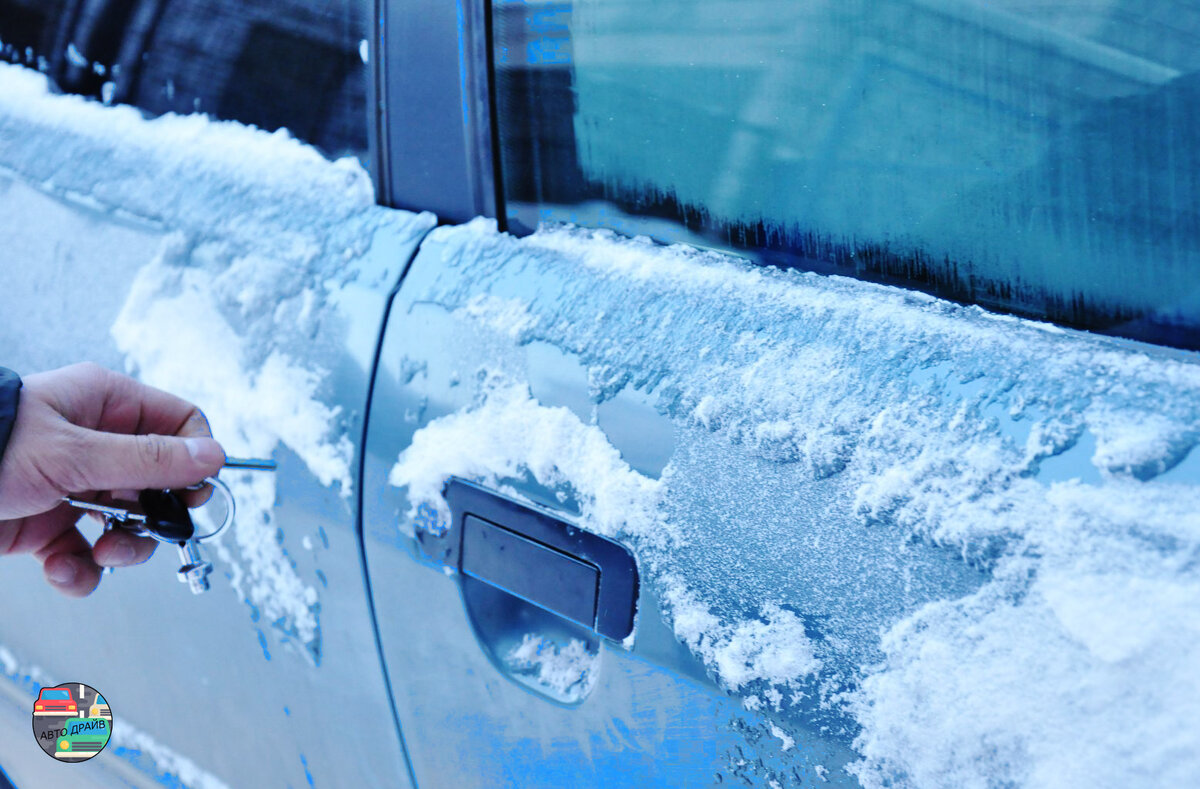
113 460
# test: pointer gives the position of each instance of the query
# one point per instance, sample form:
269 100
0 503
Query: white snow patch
251 411
167 761
774 649
510 317
509 434
1075 666
786 740
704 411
568 672
1140 444
187 149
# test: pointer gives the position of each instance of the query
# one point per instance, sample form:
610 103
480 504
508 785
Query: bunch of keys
166 518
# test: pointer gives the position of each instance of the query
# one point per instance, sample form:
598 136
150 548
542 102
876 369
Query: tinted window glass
1031 156
270 63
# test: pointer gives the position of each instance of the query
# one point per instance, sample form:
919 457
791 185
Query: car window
270 63
56 695
1032 157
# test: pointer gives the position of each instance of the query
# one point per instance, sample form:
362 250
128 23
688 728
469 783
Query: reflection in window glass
270 63
1032 156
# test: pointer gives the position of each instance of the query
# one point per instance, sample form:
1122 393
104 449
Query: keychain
166 518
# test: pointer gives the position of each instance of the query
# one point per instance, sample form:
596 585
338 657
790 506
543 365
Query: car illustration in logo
56 702
82 738
71 722
100 709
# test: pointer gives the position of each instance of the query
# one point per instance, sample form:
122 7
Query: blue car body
875 537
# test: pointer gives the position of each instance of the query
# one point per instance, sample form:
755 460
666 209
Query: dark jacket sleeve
10 394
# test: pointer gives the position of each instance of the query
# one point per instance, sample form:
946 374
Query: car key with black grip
168 520
167 517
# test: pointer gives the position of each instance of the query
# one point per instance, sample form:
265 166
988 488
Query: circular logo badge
72 722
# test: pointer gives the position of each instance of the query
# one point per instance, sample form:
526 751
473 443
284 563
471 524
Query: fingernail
63 572
204 450
120 554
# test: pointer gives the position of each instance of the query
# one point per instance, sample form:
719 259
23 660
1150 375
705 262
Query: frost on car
963 511
883 539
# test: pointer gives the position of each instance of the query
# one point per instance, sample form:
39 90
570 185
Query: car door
246 272
880 537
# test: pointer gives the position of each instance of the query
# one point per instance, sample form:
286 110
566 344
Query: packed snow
510 433
774 647
568 672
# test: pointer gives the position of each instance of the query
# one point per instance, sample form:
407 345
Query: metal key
250 464
112 515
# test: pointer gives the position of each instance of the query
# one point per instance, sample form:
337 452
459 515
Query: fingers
110 461
70 564
197 427
84 428
134 408
65 555
72 573
195 498
94 397
34 534
119 548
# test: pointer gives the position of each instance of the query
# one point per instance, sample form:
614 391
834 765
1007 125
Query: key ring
166 519
134 521
230 509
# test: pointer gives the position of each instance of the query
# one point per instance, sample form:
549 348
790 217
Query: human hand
85 431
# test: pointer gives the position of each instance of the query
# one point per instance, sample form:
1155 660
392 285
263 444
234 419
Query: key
166 518
111 514
250 464
194 570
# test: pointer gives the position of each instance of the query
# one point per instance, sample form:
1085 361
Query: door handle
538 573
533 555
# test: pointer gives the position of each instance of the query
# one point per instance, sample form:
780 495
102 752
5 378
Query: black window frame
435 145
432 135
